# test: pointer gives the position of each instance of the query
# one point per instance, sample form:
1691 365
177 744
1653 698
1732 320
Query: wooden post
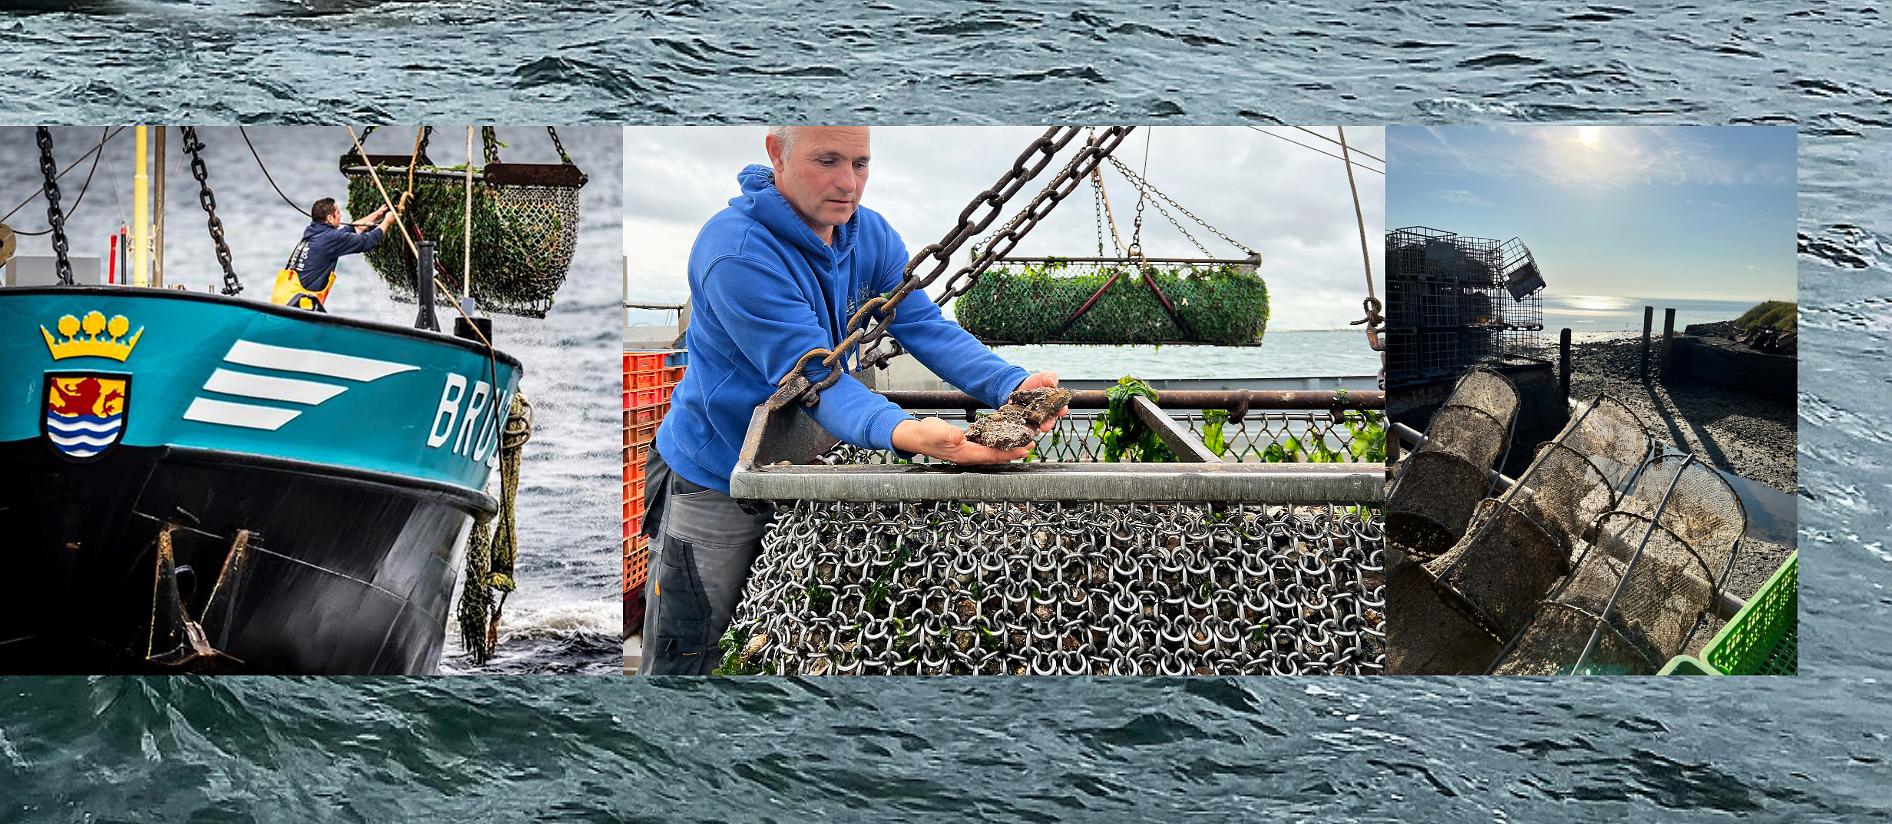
1668 338
1563 365
1648 323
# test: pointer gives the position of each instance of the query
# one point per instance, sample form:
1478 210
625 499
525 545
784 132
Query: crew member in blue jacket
327 238
776 274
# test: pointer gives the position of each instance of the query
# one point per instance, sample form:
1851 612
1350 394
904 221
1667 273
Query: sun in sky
1587 135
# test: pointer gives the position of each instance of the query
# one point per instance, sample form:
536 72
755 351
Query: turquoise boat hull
196 482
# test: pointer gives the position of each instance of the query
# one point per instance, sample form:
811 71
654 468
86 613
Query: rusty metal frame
776 462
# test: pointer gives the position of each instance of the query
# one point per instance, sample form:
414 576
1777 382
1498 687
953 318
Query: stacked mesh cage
1455 300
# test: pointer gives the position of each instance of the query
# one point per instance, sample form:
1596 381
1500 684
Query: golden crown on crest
95 344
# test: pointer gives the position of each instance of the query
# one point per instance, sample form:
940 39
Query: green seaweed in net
1220 305
519 255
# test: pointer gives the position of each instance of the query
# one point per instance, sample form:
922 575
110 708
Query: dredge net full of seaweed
1030 304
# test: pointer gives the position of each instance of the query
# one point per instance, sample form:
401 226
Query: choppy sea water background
971 749
1809 748
565 615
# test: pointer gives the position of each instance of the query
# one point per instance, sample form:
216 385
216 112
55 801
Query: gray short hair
786 135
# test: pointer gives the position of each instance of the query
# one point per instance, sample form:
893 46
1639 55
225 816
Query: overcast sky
1629 211
1287 202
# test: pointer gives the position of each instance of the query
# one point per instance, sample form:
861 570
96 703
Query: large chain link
208 199
1143 186
558 144
977 215
489 142
54 215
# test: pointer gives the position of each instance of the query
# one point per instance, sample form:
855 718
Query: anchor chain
977 215
54 215
208 199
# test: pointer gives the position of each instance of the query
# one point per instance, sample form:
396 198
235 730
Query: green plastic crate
1687 665
1764 637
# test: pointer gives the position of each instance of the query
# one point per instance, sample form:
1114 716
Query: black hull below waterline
184 560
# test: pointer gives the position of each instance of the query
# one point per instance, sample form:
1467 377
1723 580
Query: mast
141 211
157 209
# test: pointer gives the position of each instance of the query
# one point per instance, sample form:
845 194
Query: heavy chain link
489 142
559 145
208 199
54 216
1143 185
795 386
937 587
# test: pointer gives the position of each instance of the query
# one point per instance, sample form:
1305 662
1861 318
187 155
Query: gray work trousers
702 546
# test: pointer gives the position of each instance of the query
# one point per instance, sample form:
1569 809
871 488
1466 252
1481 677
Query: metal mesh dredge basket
525 227
1218 305
1207 567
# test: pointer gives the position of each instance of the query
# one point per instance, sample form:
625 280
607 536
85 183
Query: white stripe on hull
227 382
312 362
245 415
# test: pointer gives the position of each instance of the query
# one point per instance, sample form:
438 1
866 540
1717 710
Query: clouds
1290 204
1600 157
1458 196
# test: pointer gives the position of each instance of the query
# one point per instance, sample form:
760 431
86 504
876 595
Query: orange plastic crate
646 414
643 433
645 397
643 361
636 562
673 375
646 379
663 394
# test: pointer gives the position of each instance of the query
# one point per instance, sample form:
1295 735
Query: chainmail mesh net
936 587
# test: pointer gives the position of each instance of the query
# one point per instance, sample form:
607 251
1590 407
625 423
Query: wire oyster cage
1220 563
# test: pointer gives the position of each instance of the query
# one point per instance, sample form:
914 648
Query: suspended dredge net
1096 303
1437 486
1070 586
1481 592
1640 590
524 233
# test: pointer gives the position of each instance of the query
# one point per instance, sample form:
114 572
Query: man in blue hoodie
777 274
326 239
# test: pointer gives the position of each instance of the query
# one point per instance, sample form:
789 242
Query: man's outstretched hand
936 438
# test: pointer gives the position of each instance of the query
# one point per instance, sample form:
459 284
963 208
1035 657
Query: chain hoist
208 199
489 143
54 216
972 220
1143 185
